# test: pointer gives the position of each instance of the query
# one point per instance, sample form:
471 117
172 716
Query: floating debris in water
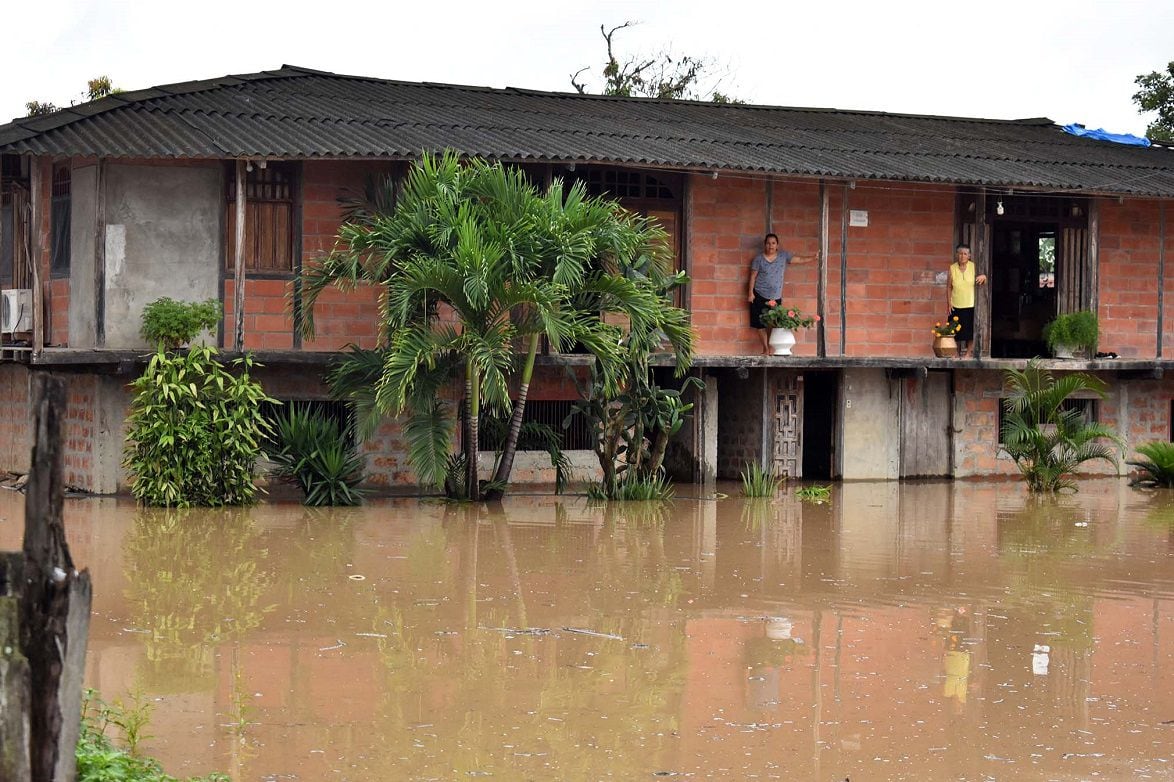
339 645
518 630
592 633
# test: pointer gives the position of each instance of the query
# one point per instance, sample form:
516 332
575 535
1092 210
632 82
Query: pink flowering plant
781 317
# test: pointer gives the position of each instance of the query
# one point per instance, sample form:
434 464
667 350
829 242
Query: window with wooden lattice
269 218
60 216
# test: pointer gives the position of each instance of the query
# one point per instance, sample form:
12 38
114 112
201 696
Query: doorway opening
821 393
1038 265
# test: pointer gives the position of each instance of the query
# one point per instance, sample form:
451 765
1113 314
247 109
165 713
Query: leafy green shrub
169 324
314 453
1076 329
759 482
195 431
1158 466
99 759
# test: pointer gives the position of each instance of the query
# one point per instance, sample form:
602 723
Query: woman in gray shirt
766 283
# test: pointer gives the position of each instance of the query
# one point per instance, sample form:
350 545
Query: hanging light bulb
999 207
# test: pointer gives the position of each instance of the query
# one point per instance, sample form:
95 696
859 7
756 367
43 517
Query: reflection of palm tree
593 693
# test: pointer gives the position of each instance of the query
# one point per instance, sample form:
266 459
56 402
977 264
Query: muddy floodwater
939 631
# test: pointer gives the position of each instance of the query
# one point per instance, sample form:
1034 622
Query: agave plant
1047 441
315 454
1157 467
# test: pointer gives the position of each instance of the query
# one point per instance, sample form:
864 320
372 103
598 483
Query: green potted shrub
1070 332
169 325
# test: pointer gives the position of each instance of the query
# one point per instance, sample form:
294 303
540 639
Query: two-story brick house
109 205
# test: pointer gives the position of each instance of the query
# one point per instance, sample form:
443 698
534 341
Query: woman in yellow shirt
960 296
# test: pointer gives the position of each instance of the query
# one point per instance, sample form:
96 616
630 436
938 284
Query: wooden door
669 220
927 434
787 450
1072 269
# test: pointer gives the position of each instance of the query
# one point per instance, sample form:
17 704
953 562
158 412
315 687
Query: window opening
1089 410
269 218
552 413
342 413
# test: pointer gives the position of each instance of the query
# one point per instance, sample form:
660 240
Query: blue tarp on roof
1100 134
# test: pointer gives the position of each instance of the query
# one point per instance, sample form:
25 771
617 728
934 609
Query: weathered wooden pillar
14 675
238 263
54 601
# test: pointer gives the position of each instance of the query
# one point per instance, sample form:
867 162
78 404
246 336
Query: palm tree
1157 466
1047 440
473 261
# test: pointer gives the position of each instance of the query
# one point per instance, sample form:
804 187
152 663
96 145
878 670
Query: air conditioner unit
16 310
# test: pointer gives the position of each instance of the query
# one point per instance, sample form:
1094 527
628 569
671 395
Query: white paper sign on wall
858 218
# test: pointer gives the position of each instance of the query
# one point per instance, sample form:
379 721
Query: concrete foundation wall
870 426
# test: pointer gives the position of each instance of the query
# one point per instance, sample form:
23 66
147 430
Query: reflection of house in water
768 638
107 206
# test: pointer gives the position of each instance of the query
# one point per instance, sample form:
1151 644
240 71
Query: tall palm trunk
510 448
472 445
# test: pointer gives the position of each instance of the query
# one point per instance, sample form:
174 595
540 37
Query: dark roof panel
299 113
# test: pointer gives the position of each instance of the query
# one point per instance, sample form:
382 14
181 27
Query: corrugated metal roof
299 113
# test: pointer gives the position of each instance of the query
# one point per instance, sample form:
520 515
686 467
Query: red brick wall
1137 410
80 429
1128 278
340 318
976 424
58 308
892 290
268 323
724 231
893 296
15 418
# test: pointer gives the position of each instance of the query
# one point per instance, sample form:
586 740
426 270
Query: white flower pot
781 341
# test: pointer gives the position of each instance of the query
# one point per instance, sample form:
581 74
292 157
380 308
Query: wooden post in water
14 675
52 608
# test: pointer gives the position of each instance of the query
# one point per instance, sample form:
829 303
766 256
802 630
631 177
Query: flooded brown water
903 631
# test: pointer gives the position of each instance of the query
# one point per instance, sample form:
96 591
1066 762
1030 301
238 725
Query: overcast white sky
1071 61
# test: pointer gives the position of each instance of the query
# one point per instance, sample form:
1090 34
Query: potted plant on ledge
782 322
944 345
1070 332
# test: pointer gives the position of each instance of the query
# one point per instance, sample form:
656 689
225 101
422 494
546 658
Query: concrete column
870 423
707 415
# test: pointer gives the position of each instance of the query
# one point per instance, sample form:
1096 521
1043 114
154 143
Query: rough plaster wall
81 257
114 398
871 428
163 238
